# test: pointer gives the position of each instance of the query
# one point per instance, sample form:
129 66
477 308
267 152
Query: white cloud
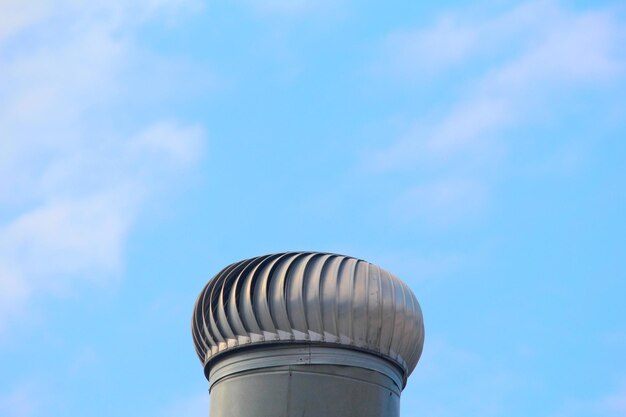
463 131
550 47
20 402
555 36
74 175
70 236
16 16
614 403
578 48
426 51
288 7
522 61
441 203
183 145
14 291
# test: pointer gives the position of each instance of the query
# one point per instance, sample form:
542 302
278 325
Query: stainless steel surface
273 356
305 390
309 297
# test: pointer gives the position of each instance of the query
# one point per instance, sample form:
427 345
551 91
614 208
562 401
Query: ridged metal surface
309 297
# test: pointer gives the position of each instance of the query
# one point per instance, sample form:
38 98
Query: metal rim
296 354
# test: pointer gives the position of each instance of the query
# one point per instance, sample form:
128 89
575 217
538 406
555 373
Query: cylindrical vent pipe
306 334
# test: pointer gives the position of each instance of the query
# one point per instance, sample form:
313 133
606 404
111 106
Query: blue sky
476 151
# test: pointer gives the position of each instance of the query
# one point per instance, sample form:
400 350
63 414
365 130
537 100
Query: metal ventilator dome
309 298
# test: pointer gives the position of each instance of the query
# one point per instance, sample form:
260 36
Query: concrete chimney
306 334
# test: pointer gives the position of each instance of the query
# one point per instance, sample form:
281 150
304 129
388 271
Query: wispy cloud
21 401
444 202
538 29
289 7
74 172
464 131
522 61
614 403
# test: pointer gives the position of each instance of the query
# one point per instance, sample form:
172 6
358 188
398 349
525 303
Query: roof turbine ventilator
306 333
